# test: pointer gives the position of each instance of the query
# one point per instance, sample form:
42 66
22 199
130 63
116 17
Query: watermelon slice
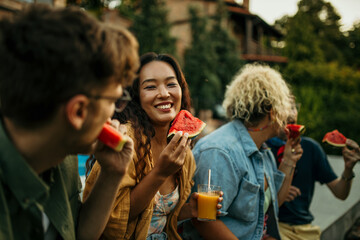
335 138
187 123
295 130
112 138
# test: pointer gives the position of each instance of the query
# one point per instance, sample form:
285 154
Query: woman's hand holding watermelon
351 153
172 157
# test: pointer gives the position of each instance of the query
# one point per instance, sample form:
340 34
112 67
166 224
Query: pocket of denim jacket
247 201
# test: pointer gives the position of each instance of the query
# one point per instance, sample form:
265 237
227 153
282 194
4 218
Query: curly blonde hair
255 90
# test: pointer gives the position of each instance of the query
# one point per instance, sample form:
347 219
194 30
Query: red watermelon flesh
112 138
295 130
187 123
335 138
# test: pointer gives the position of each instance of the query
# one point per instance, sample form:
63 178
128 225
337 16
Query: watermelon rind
182 115
112 138
296 130
121 144
191 136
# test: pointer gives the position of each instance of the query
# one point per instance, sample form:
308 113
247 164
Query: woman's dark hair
138 118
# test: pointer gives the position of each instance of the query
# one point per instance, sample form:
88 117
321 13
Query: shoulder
222 138
307 142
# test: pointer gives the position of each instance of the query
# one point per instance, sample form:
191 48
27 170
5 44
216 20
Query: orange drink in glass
207 201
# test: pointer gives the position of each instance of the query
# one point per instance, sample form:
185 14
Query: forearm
95 211
185 212
144 192
341 186
213 230
288 168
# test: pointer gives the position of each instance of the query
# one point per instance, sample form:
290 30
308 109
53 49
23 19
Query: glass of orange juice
207 201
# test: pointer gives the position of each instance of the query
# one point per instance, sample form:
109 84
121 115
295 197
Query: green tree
328 93
301 40
225 46
353 52
325 21
200 63
152 29
127 8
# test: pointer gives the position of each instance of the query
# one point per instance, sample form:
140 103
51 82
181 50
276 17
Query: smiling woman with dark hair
152 197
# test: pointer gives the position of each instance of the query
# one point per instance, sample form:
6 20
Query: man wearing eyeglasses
62 75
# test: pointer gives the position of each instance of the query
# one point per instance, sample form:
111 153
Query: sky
268 10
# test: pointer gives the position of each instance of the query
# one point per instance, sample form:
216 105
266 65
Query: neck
261 132
40 149
161 135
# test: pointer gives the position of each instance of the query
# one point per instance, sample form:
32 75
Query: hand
293 193
193 204
293 151
351 155
111 161
172 158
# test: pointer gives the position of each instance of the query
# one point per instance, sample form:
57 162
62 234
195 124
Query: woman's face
160 92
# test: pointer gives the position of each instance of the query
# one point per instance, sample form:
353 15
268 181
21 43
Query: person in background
62 75
295 216
257 102
152 197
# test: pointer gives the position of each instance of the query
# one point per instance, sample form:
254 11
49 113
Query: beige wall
178 15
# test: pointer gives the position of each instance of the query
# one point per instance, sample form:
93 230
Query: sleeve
118 225
224 173
323 171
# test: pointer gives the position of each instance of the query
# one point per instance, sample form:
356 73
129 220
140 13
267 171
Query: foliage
225 46
321 81
212 59
95 7
200 62
301 41
127 8
313 33
329 98
152 29
354 46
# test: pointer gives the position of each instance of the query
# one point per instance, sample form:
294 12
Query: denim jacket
238 166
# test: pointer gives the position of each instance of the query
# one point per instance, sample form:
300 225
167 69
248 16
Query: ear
271 115
77 110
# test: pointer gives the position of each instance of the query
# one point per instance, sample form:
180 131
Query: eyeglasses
120 103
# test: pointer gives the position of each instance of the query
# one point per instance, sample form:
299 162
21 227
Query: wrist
347 177
289 163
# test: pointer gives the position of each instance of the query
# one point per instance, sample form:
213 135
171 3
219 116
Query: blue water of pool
82 160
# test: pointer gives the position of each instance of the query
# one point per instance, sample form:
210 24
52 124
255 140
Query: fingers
296 191
175 139
115 124
218 206
293 193
351 143
195 195
180 148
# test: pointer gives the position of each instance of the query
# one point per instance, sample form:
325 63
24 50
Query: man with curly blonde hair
257 102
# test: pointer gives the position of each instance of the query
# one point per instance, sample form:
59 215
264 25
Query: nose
163 92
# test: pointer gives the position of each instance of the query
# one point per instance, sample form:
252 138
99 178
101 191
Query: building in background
8 7
257 40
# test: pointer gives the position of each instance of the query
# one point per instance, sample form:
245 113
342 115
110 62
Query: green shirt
25 196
